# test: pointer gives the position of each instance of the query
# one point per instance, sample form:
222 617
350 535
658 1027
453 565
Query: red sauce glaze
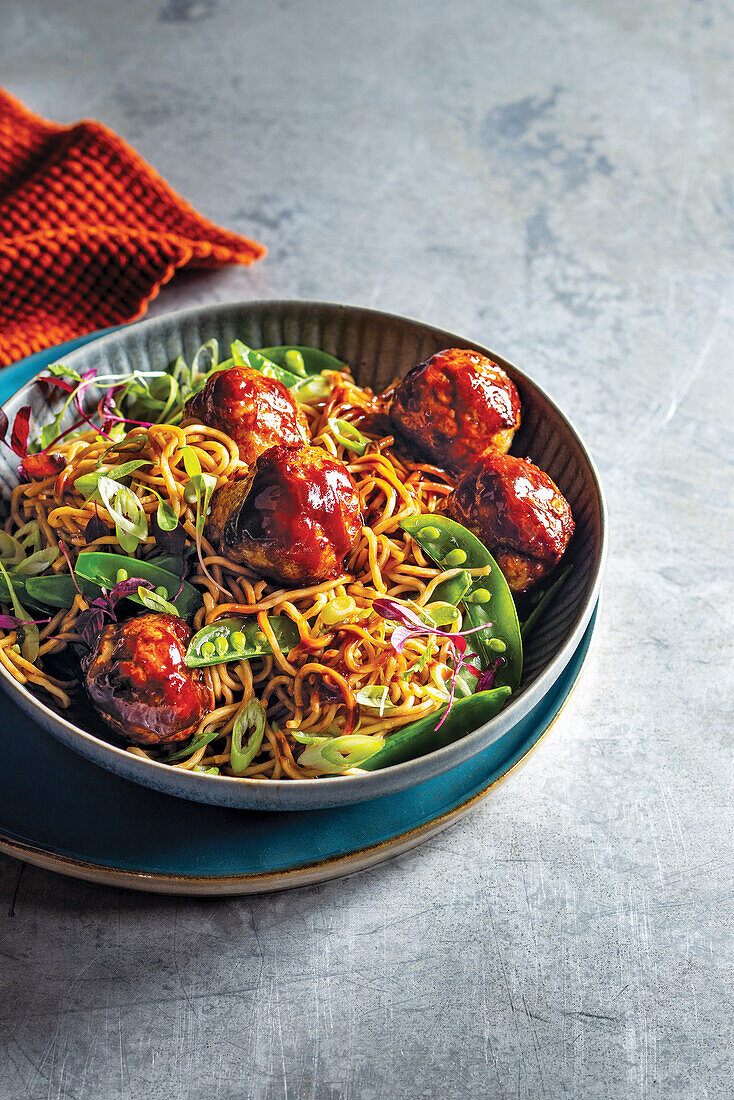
510 504
139 684
294 518
255 411
456 405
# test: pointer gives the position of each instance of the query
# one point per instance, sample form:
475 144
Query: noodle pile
311 689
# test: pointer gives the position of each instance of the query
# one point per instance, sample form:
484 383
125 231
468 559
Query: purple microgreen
487 678
171 542
96 528
107 408
19 434
87 419
396 612
123 589
90 622
61 383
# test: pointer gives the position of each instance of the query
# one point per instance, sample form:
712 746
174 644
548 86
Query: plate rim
309 874
135 768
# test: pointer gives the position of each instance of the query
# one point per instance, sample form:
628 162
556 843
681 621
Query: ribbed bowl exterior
378 347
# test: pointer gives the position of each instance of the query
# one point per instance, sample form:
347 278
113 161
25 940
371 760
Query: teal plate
64 813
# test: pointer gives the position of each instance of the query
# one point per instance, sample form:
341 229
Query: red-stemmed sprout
409 626
10 622
106 408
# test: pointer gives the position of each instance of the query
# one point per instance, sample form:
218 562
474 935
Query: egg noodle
344 645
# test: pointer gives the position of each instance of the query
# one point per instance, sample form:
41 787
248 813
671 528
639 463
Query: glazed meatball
255 411
517 512
454 406
294 518
139 684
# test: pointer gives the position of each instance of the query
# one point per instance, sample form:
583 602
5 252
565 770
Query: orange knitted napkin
89 232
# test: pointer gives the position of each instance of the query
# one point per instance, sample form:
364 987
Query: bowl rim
194 784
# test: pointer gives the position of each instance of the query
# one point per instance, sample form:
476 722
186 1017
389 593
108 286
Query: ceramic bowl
378 346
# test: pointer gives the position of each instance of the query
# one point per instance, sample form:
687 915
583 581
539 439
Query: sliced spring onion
314 389
29 535
155 602
38 562
376 697
349 436
338 755
131 522
250 724
308 738
11 551
205 360
338 609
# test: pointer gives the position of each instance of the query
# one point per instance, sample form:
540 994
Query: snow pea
422 737
488 602
172 562
246 357
313 360
453 589
105 570
55 591
239 638
20 585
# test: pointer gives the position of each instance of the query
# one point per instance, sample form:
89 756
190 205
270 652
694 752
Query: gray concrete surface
555 179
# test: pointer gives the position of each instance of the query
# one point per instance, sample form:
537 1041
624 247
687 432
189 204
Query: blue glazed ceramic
378 346
90 824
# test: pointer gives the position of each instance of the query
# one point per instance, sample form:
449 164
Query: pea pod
246 357
104 570
237 639
488 600
20 585
453 589
172 562
55 591
422 737
314 360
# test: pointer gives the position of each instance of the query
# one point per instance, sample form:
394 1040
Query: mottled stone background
554 179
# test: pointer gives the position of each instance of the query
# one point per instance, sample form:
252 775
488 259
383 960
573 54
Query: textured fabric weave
88 232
